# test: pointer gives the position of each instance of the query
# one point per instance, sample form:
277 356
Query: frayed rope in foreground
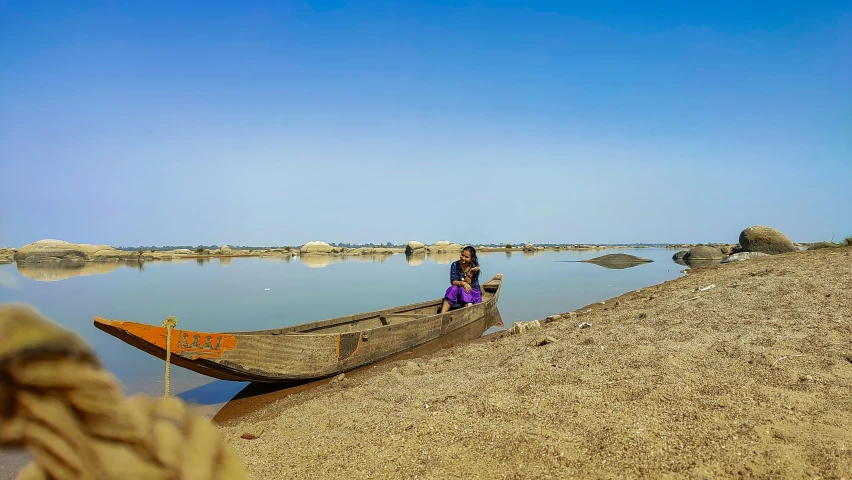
58 402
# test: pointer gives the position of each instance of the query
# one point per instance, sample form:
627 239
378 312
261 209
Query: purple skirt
457 295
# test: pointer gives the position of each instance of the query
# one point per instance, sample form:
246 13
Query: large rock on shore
529 247
765 240
703 252
225 250
741 256
415 247
60 251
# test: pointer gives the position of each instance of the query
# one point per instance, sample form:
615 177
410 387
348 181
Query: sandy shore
750 378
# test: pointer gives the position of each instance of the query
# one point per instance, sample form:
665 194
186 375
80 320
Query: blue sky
278 123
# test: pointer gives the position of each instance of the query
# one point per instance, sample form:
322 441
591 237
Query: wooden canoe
310 350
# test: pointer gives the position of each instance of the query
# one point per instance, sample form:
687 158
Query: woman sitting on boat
464 281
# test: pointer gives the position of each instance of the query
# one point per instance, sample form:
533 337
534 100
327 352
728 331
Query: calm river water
231 294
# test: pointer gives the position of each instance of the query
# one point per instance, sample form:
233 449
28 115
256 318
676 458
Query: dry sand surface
749 379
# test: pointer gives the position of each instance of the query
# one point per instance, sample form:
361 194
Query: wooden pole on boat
70 414
169 323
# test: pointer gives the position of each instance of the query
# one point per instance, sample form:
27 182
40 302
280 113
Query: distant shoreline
56 251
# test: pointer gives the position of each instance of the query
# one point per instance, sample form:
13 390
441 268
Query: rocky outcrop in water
444 246
60 251
322 248
617 260
368 251
7 255
318 247
765 240
415 248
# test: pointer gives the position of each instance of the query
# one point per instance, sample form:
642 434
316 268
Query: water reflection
56 271
444 258
225 261
322 261
415 259
368 258
8 280
317 261
202 261
616 266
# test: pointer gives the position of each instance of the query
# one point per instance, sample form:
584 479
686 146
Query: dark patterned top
457 275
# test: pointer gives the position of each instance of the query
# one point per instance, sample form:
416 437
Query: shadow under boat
257 395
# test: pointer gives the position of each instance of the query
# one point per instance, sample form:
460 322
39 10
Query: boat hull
308 351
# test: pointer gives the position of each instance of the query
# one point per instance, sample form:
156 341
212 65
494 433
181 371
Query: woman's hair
473 260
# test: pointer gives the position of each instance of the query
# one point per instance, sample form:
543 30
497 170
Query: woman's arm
474 275
455 276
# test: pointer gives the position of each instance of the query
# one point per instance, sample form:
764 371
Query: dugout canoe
310 350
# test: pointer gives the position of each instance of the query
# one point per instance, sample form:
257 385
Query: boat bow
186 343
